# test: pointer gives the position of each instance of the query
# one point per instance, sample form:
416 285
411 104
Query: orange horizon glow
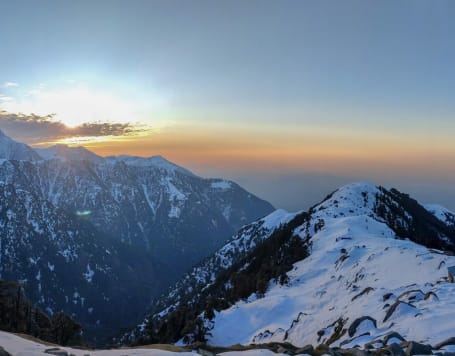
285 150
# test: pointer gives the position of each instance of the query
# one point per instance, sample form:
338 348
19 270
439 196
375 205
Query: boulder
395 350
322 349
415 348
398 304
355 324
391 335
354 352
431 295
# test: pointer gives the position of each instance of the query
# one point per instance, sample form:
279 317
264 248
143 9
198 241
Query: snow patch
89 274
277 218
221 184
442 213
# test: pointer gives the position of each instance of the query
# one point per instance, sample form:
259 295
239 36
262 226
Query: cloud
9 84
4 98
74 105
38 129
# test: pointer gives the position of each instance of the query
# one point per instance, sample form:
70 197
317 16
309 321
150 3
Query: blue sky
355 84
370 55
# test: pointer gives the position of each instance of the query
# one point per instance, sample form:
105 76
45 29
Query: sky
289 98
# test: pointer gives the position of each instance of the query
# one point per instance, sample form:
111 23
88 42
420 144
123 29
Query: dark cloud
34 128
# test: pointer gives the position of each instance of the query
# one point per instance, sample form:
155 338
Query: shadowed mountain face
100 237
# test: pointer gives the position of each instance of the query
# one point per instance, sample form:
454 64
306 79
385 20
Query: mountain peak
157 161
356 190
352 199
12 150
68 153
442 213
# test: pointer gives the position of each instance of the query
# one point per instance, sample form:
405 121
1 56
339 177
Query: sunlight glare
76 105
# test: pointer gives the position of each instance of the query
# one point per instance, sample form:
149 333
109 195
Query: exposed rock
415 348
3 352
322 349
56 351
449 341
386 296
342 258
373 345
393 307
431 295
365 291
338 331
391 335
308 349
281 350
353 328
353 352
412 295
204 352
396 350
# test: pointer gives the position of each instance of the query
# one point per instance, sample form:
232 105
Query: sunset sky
289 98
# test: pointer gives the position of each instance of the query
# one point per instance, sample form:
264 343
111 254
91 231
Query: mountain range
100 237
118 240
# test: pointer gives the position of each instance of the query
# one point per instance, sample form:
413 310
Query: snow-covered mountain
66 153
372 270
10 149
442 213
122 227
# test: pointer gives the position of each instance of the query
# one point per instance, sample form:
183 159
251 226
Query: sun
79 105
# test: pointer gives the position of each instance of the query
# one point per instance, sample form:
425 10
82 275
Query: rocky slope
375 273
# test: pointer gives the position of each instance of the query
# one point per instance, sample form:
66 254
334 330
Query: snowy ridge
67 153
370 279
355 273
12 150
153 161
442 213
